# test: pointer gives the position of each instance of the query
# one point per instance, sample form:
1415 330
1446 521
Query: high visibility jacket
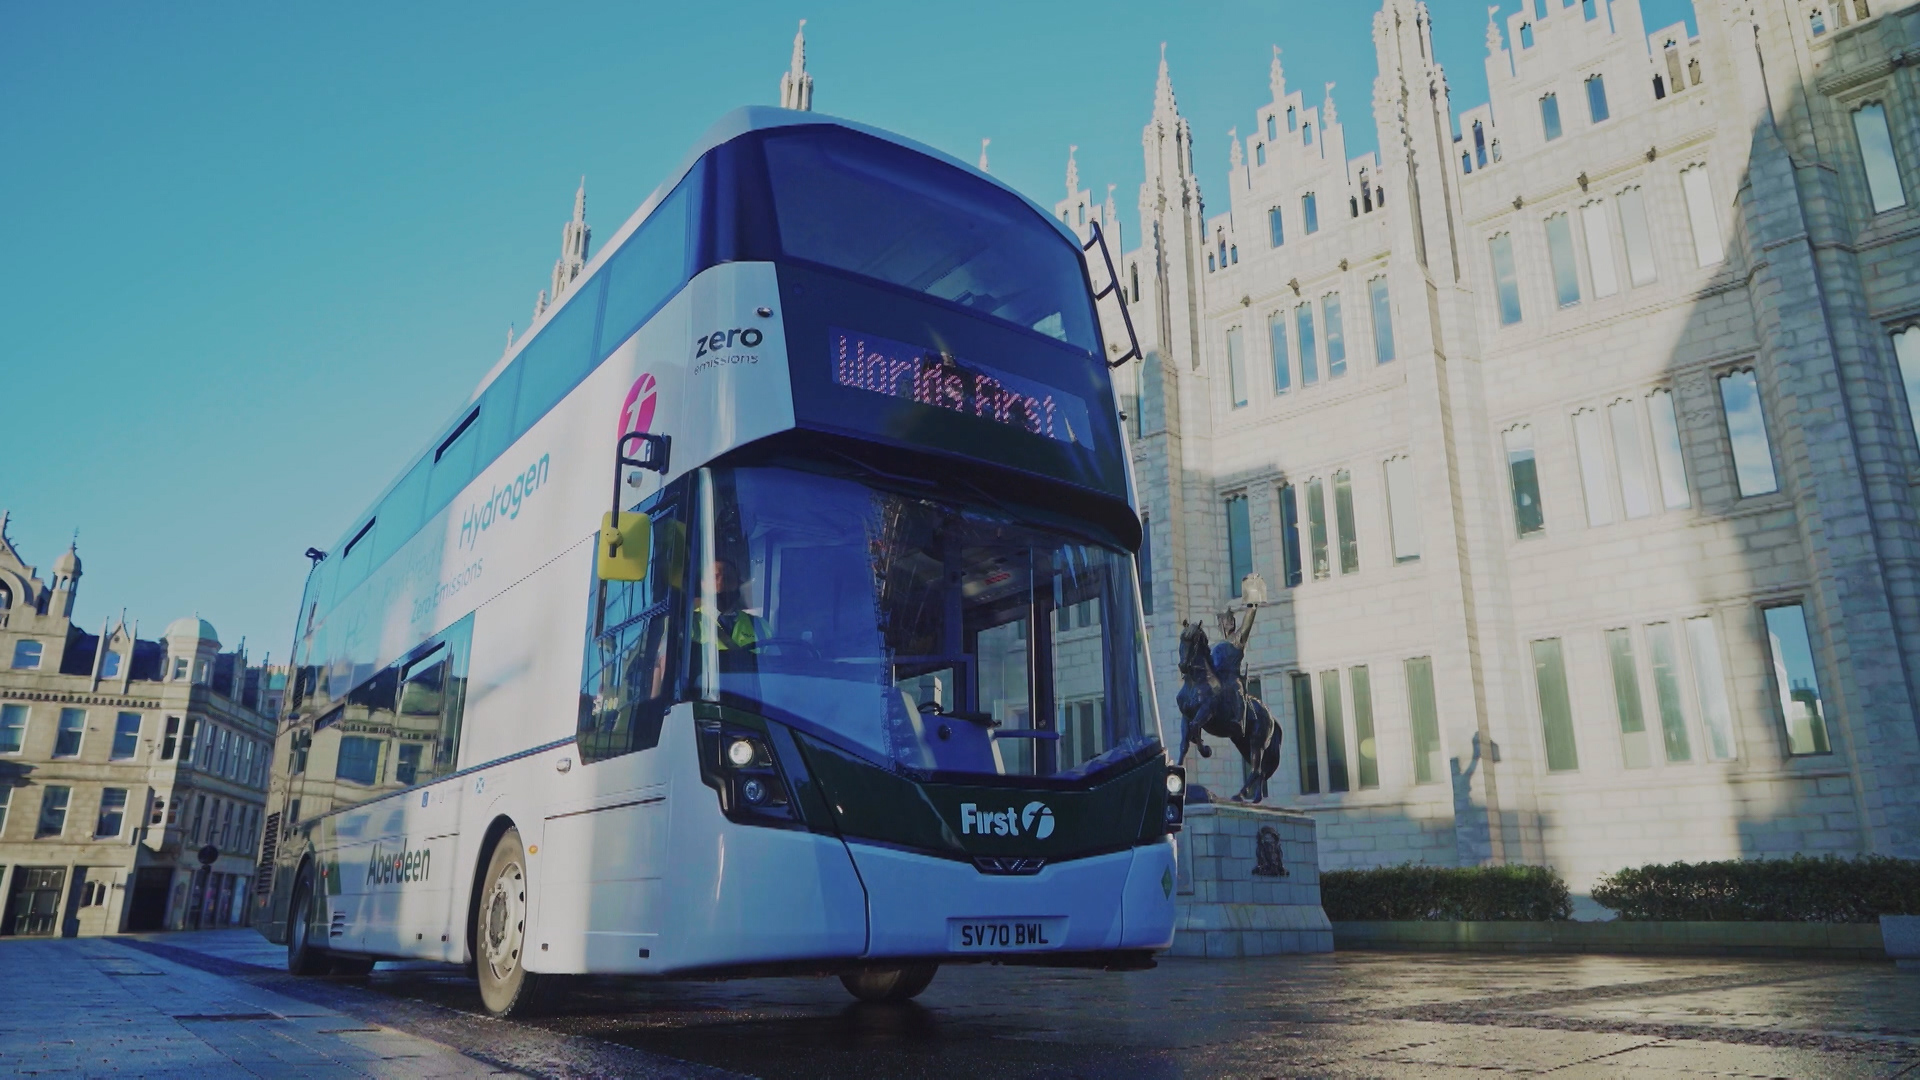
733 629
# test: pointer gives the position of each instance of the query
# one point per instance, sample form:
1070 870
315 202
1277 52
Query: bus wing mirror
625 545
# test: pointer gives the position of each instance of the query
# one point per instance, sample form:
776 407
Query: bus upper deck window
865 206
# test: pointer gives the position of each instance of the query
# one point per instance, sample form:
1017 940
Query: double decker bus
848 676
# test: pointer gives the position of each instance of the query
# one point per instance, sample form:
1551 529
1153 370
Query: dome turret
192 628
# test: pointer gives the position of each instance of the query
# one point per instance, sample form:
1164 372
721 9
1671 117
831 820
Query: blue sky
257 254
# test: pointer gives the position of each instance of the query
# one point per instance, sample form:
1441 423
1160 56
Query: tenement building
132 771
1573 435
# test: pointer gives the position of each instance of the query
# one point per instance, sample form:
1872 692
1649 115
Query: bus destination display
929 377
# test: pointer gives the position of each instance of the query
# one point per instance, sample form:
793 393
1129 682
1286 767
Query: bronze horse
1213 699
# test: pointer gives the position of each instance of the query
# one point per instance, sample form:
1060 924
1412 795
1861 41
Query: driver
730 625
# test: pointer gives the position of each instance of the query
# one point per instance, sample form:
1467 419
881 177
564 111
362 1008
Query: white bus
847 677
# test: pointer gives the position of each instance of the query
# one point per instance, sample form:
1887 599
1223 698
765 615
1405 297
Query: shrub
1439 893
1799 889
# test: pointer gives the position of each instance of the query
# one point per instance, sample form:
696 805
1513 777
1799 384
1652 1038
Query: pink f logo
636 414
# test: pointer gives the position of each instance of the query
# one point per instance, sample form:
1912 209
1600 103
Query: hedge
1799 889
1438 894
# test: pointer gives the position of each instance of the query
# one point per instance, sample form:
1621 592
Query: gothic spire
1493 30
1328 117
1234 158
1073 172
796 86
574 236
1277 77
1163 104
983 154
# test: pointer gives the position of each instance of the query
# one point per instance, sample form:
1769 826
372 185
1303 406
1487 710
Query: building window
1747 431
1589 10
126 736
110 665
1133 272
1271 135
1331 716
113 811
13 728
1276 229
1236 369
1403 510
1317 529
1222 244
1702 215
1596 98
1506 281
1382 320
1556 708
158 813
1801 709
1539 9
1277 347
1210 266
73 728
1710 682
187 741
1306 138
1667 692
1524 478
1309 353
1550 116
1336 335
1233 253
1310 212
53 812
359 760
1659 87
1639 240
1817 22
1566 273
1526 35
1634 752
1303 734
1876 153
1292 120
1480 144
1425 720
1366 748
26 655
1630 459
1289 536
1666 451
1259 153
1343 522
1590 444
6 798
1906 350
1239 544
1593 222
1144 560
171 739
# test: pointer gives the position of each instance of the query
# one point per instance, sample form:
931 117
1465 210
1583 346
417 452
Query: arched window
6 597
1479 144
1306 134
1260 152
1270 132
1818 22
1293 122
1526 35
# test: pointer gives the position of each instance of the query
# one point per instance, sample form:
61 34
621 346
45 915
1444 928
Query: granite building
1572 433
132 771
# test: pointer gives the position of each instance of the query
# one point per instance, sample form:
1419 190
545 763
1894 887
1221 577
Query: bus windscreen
858 204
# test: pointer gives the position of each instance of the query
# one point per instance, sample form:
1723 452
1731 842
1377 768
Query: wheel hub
504 920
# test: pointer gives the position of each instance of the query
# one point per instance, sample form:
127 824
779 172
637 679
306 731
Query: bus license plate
1005 935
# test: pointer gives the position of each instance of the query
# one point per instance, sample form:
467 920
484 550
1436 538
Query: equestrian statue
1213 697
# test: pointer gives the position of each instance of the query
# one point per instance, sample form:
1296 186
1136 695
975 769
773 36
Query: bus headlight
1176 783
754 790
740 753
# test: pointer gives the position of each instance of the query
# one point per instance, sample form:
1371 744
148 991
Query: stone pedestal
1249 884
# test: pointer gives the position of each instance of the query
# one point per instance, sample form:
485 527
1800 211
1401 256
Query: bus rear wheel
303 956
902 983
500 932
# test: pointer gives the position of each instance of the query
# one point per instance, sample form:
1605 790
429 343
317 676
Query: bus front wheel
500 932
902 983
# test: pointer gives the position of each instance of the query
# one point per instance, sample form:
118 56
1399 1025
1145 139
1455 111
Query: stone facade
122 760
1589 404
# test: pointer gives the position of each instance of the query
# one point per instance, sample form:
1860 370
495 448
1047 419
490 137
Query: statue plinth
1249 883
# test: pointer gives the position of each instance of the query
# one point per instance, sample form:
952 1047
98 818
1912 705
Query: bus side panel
913 896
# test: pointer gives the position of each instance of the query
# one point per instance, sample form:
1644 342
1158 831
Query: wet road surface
1347 1015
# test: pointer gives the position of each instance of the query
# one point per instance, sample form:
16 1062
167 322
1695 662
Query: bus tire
902 983
507 988
303 956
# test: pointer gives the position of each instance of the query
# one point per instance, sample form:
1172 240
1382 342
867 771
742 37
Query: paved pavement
217 1004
